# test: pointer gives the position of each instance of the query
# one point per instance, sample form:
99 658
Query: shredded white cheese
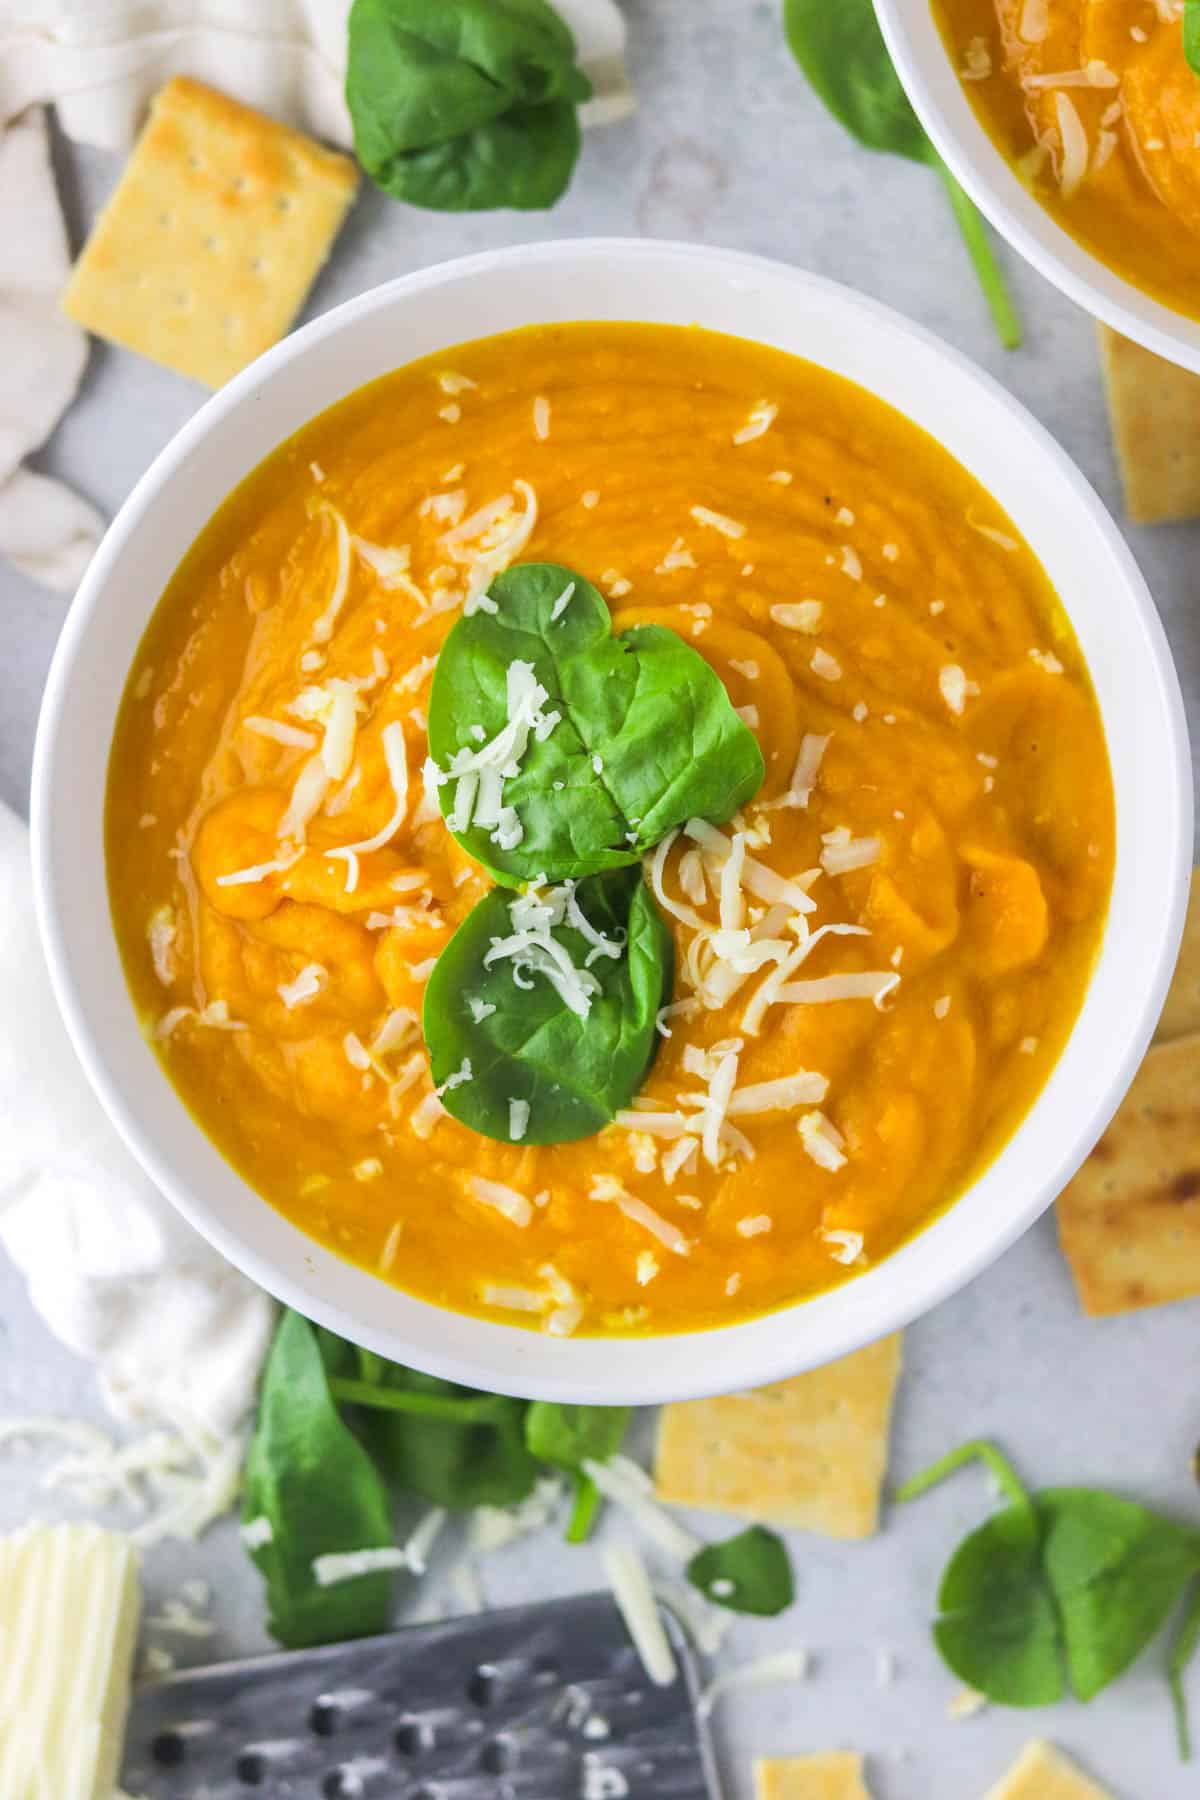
799 615
293 737
634 1596
955 688
395 756
764 1671
762 417
306 986
716 521
846 1246
823 1141
608 1188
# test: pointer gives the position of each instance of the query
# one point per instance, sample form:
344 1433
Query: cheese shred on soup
877 960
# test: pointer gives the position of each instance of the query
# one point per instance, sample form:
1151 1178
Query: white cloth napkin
177 1335
47 530
100 62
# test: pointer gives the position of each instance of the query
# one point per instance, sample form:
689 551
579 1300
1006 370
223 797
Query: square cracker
213 236
1181 1014
1154 414
1129 1222
809 1452
1043 1773
836 1776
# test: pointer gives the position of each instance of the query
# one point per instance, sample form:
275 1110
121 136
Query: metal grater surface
544 1702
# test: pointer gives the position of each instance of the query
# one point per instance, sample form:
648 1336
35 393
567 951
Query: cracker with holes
836 1776
1129 1223
1154 413
213 237
810 1452
1043 1773
1181 1014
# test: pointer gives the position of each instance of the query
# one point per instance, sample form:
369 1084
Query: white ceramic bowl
925 68
978 422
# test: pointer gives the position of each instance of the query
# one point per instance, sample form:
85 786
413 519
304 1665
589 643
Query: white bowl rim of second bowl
608 1370
927 73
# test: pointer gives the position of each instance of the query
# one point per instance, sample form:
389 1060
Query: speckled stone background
729 148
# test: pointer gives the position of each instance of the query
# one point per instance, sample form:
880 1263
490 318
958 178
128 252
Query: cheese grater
542 1702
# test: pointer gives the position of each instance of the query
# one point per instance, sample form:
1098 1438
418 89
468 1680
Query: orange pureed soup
936 788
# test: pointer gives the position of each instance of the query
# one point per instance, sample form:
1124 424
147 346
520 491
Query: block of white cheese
69 1604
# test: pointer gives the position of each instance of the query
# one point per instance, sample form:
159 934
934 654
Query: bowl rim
742 1354
960 139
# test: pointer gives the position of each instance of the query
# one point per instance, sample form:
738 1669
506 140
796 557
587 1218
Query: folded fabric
47 530
101 63
117 1275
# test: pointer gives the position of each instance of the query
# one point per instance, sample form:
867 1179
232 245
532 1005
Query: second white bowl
924 66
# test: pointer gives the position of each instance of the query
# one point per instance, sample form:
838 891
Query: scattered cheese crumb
955 688
825 665
941 1007
799 615
716 521
753 1227
762 417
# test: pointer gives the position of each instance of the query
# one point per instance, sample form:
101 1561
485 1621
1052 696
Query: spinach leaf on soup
454 1446
1065 1587
841 50
1191 34
319 1492
461 105
749 1573
541 1032
564 750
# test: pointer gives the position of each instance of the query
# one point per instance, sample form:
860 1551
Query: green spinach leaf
453 1446
841 50
566 1437
1191 34
461 105
749 1573
1064 1586
319 1491
646 737
524 1044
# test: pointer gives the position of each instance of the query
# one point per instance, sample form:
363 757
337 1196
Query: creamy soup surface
936 779
1094 103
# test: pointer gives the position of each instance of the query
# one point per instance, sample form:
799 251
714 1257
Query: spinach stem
583 1513
1182 1652
978 1450
429 1406
983 257
370 1365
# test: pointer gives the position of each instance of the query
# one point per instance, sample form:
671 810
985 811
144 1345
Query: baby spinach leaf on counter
842 52
566 1437
318 1489
461 105
501 1034
749 1573
646 736
453 1446
1066 1586
1191 34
